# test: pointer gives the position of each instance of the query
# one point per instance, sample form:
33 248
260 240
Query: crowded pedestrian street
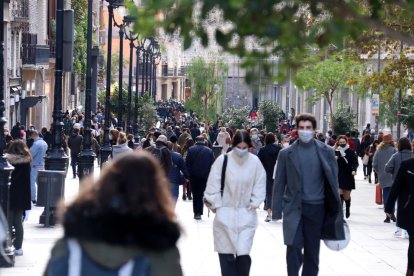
373 249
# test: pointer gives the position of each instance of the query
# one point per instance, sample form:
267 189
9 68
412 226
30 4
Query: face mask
110 137
305 135
285 145
254 136
241 152
6 133
342 145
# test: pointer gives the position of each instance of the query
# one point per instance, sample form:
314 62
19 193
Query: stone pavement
373 249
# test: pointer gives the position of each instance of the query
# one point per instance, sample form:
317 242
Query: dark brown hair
269 139
404 144
18 147
134 184
305 117
339 138
242 136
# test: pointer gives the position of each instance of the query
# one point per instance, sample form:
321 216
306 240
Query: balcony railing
35 54
20 10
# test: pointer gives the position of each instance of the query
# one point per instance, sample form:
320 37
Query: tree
80 8
408 112
236 118
326 78
206 87
343 120
270 113
259 29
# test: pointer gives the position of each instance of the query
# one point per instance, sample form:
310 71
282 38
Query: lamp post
155 61
5 167
56 159
136 125
87 156
131 39
121 67
106 148
144 64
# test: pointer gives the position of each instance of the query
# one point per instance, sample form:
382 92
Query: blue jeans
174 188
385 194
33 180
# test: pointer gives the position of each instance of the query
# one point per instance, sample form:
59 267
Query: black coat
199 160
403 190
75 143
20 194
345 167
268 156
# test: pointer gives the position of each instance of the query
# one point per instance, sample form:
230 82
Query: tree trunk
330 113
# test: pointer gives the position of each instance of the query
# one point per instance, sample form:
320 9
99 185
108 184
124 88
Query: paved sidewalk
373 249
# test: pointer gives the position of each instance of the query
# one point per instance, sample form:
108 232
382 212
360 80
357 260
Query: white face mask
305 135
285 145
241 152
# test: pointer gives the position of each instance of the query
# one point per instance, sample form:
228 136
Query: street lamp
137 68
87 156
5 167
106 148
146 43
155 61
131 39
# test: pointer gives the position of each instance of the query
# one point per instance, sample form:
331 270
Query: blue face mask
241 152
305 135
254 136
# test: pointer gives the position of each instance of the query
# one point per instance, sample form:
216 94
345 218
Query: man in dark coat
15 132
306 192
75 143
199 160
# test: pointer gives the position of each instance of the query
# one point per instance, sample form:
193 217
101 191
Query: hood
15 159
120 148
142 230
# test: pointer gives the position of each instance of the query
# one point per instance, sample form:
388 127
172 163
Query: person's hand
353 173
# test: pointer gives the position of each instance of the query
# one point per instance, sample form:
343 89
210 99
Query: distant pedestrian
199 161
268 156
370 151
38 152
161 152
235 205
365 143
121 146
15 132
384 152
124 224
20 194
223 139
178 172
75 144
403 190
256 142
306 192
347 168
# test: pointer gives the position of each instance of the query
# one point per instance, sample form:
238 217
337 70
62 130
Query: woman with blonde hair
121 146
126 217
18 154
384 152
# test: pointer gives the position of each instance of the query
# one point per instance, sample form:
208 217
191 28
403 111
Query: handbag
378 195
223 179
365 159
338 245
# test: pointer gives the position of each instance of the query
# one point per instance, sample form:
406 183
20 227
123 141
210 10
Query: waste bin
50 190
217 151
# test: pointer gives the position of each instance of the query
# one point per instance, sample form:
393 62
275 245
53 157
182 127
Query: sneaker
406 236
197 217
18 252
398 233
365 177
268 218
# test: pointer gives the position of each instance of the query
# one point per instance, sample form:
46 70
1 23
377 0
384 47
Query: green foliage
408 112
236 118
206 87
343 120
80 8
280 28
327 77
270 113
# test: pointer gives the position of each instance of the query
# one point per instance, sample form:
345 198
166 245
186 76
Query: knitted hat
162 138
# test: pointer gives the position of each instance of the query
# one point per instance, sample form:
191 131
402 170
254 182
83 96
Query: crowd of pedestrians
301 175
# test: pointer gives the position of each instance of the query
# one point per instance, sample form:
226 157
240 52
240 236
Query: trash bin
50 190
217 151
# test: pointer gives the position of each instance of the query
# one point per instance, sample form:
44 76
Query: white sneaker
18 252
268 218
398 233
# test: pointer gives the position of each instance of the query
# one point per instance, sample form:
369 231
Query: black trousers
16 221
411 250
235 265
74 163
305 248
198 184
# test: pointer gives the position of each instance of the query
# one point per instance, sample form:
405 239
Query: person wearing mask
384 152
121 146
405 152
126 216
20 158
268 156
306 192
199 161
38 153
403 191
75 145
223 139
347 168
178 172
256 142
243 192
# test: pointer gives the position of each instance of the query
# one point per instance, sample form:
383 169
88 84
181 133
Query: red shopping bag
378 195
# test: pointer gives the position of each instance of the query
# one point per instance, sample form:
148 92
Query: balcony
20 11
35 55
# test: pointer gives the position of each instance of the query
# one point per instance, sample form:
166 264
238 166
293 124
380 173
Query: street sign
375 105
